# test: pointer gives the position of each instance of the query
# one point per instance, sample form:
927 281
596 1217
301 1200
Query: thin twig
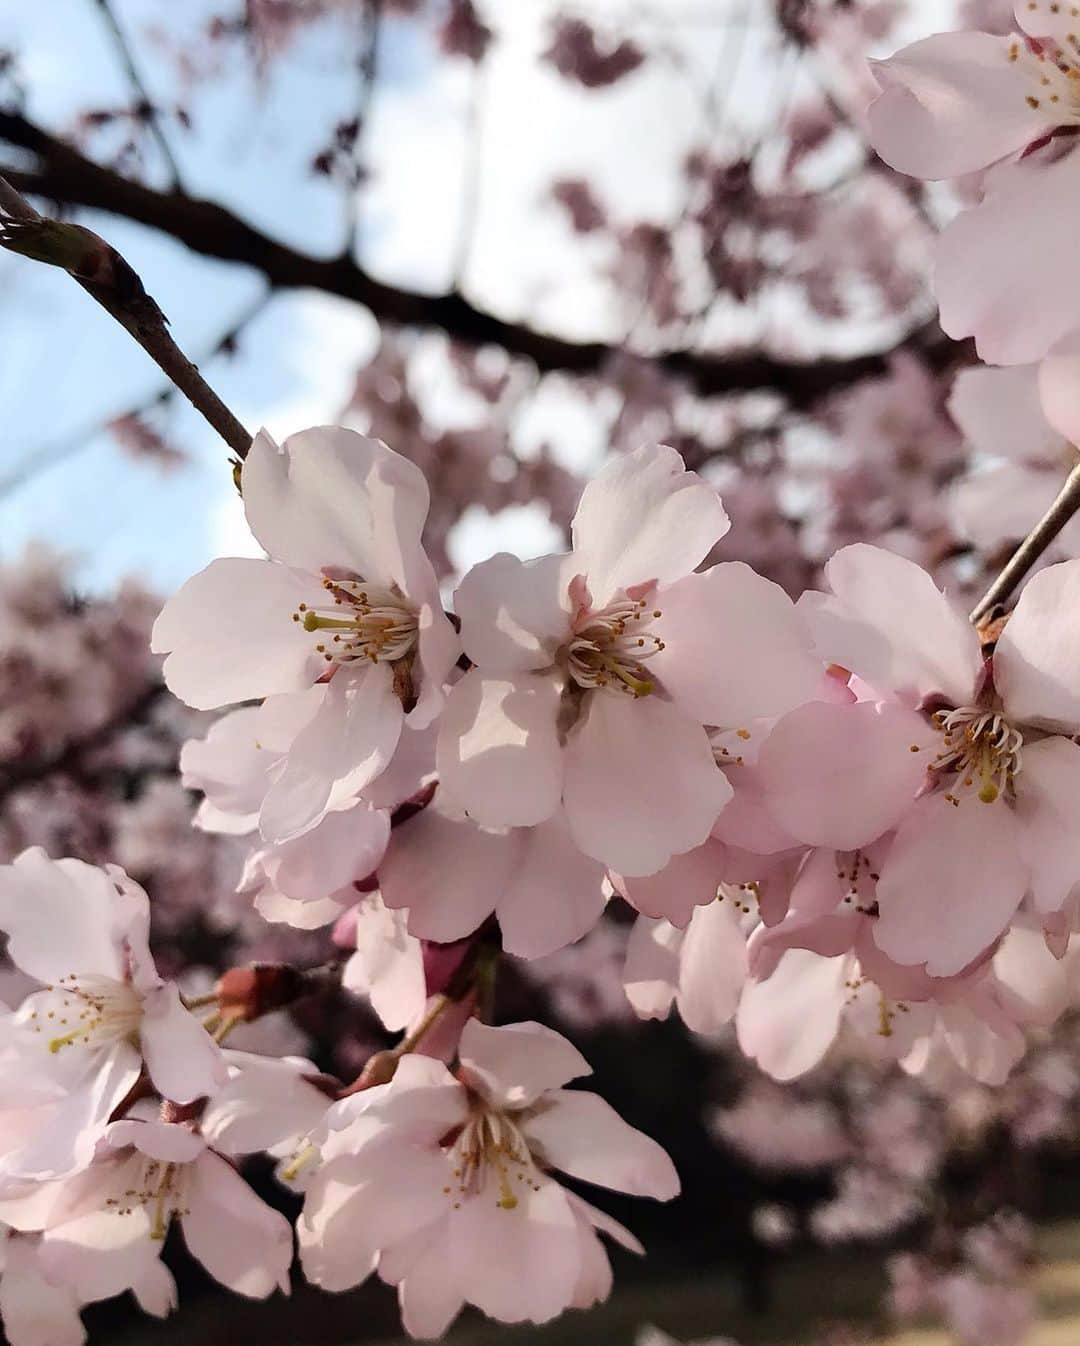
146 108
1045 531
113 283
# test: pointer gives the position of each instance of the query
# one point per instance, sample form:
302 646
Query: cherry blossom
83 932
102 1229
442 1185
973 765
345 616
601 668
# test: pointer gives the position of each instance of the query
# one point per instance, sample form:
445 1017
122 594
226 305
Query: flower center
983 750
491 1148
86 1011
151 1184
609 647
1054 75
363 621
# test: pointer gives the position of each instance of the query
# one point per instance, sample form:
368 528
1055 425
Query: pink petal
555 895
735 650
999 504
63 917
428 1292
1058 376
167 1141
330 497
641 784
239 1239
955 102
499 756
515 1064
1037 656
651 974
999 266
950 884
346 846
787 1023
438 650
1048 18
388 965
514 614
1048 809
449 873
887 621
35 1310
583 1136
712 968
999 413
644 517
184 1061
685 883
348 742
230 636
840 776
230 767
519 1265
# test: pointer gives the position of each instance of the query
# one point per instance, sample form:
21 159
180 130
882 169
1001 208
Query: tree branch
67 176
1045 531
146 110
114 284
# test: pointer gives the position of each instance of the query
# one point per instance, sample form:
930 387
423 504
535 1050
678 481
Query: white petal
499 756
517 1063
1038 654
585 1137
230 636
330 497
514 614
641 784
643 517
735 650
238 1238
184 1061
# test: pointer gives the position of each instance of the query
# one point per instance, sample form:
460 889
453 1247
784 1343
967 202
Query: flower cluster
847 815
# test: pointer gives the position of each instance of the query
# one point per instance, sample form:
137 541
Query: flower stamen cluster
982 748
378 626
609 647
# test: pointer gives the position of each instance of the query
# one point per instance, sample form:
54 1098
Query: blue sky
66 368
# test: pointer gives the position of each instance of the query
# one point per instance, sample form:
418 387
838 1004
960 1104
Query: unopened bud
249 992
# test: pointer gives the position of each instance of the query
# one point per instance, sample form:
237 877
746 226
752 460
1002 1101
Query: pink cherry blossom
346 612
598 670
83 932
442 1185
974 766
103 1228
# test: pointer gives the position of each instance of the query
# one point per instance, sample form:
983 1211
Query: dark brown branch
65 175
113 283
